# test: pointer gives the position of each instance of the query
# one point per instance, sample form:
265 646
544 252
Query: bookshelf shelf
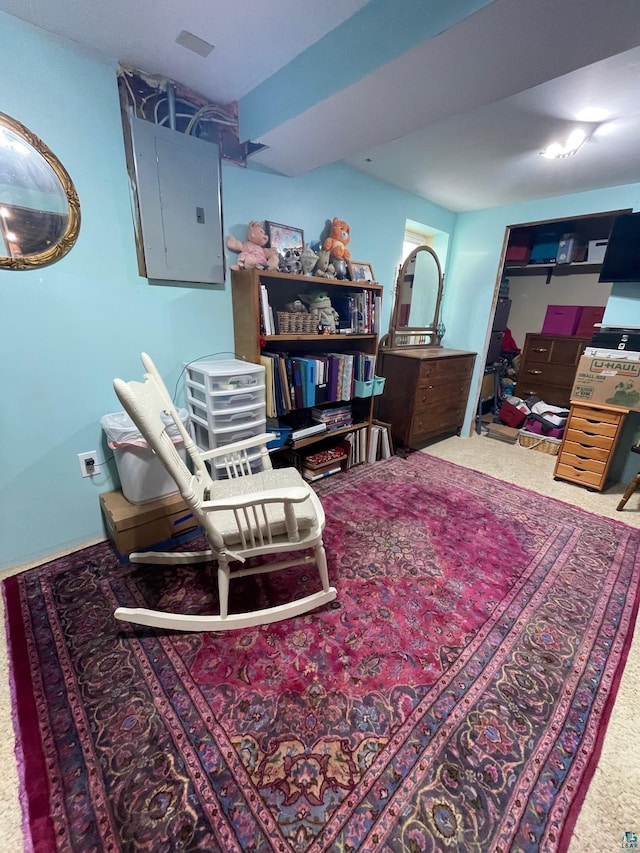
248 296
321 436
318 339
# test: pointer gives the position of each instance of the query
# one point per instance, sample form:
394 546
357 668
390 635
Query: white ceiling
459 119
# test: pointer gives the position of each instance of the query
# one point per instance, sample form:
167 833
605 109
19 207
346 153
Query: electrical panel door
179 204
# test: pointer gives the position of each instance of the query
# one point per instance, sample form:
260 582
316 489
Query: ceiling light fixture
593 114
557 150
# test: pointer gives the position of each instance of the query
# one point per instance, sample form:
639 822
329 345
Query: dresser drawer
591 427
596 416
436 422
582 463
445 370
428 395
553 394
537 349
548 374
585 452
595 447
578 475
554 350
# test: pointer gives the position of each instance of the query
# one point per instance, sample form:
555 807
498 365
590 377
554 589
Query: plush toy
290 262
308 259
253 254
319 305
324 267
336 242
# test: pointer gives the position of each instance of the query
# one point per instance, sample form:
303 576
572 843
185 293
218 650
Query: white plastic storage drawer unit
226 401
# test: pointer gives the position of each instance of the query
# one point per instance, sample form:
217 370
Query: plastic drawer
217 401
228 376
225 418
208 439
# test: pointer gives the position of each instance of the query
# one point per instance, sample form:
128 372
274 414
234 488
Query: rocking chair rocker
245 515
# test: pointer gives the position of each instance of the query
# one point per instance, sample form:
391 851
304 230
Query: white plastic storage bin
142 475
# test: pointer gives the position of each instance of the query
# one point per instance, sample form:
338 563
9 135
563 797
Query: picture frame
283 237
360 271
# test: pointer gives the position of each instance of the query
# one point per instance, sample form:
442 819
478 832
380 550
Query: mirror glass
39 208
417 301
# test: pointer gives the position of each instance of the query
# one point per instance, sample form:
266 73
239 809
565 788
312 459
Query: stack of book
333 418
304 431
324 463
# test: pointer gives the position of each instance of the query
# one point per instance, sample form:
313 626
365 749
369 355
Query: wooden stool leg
633 485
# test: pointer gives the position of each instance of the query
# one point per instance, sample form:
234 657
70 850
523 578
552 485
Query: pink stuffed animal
253 253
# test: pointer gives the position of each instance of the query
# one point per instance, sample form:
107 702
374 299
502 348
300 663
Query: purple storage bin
561 319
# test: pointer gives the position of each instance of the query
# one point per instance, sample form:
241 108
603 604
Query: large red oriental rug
453 697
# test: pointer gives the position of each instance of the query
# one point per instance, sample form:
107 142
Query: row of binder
300 382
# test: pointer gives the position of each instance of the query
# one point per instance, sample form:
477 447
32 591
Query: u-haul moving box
614 381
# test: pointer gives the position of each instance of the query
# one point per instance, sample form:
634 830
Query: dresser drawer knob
534 372
540 349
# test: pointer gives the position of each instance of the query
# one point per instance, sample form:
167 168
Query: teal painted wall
69 328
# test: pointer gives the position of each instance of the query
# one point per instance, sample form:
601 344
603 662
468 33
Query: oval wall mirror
39 207
416 308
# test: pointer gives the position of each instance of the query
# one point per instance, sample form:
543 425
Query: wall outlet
89 463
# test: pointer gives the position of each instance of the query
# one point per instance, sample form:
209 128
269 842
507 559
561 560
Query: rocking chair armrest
289 495
246 444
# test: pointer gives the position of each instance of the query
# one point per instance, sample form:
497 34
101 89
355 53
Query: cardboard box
561 319
608 381
157 524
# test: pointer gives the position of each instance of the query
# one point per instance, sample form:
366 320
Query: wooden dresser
426 391
588 444
548 367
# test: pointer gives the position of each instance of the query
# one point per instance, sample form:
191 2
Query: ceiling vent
193 43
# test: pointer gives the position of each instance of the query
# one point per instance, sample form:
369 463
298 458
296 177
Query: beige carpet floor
612 805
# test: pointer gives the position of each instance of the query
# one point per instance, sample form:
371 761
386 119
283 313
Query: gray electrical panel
177 181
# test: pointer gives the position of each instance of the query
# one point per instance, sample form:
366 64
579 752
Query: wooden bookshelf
283 288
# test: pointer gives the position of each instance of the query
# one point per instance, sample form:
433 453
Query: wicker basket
539 442
297 323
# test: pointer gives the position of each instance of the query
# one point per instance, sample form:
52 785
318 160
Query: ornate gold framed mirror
39 206
416 307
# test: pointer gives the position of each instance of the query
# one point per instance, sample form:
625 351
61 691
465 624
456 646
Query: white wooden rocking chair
246 515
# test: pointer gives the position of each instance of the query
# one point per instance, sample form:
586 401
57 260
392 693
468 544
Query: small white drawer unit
225 400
